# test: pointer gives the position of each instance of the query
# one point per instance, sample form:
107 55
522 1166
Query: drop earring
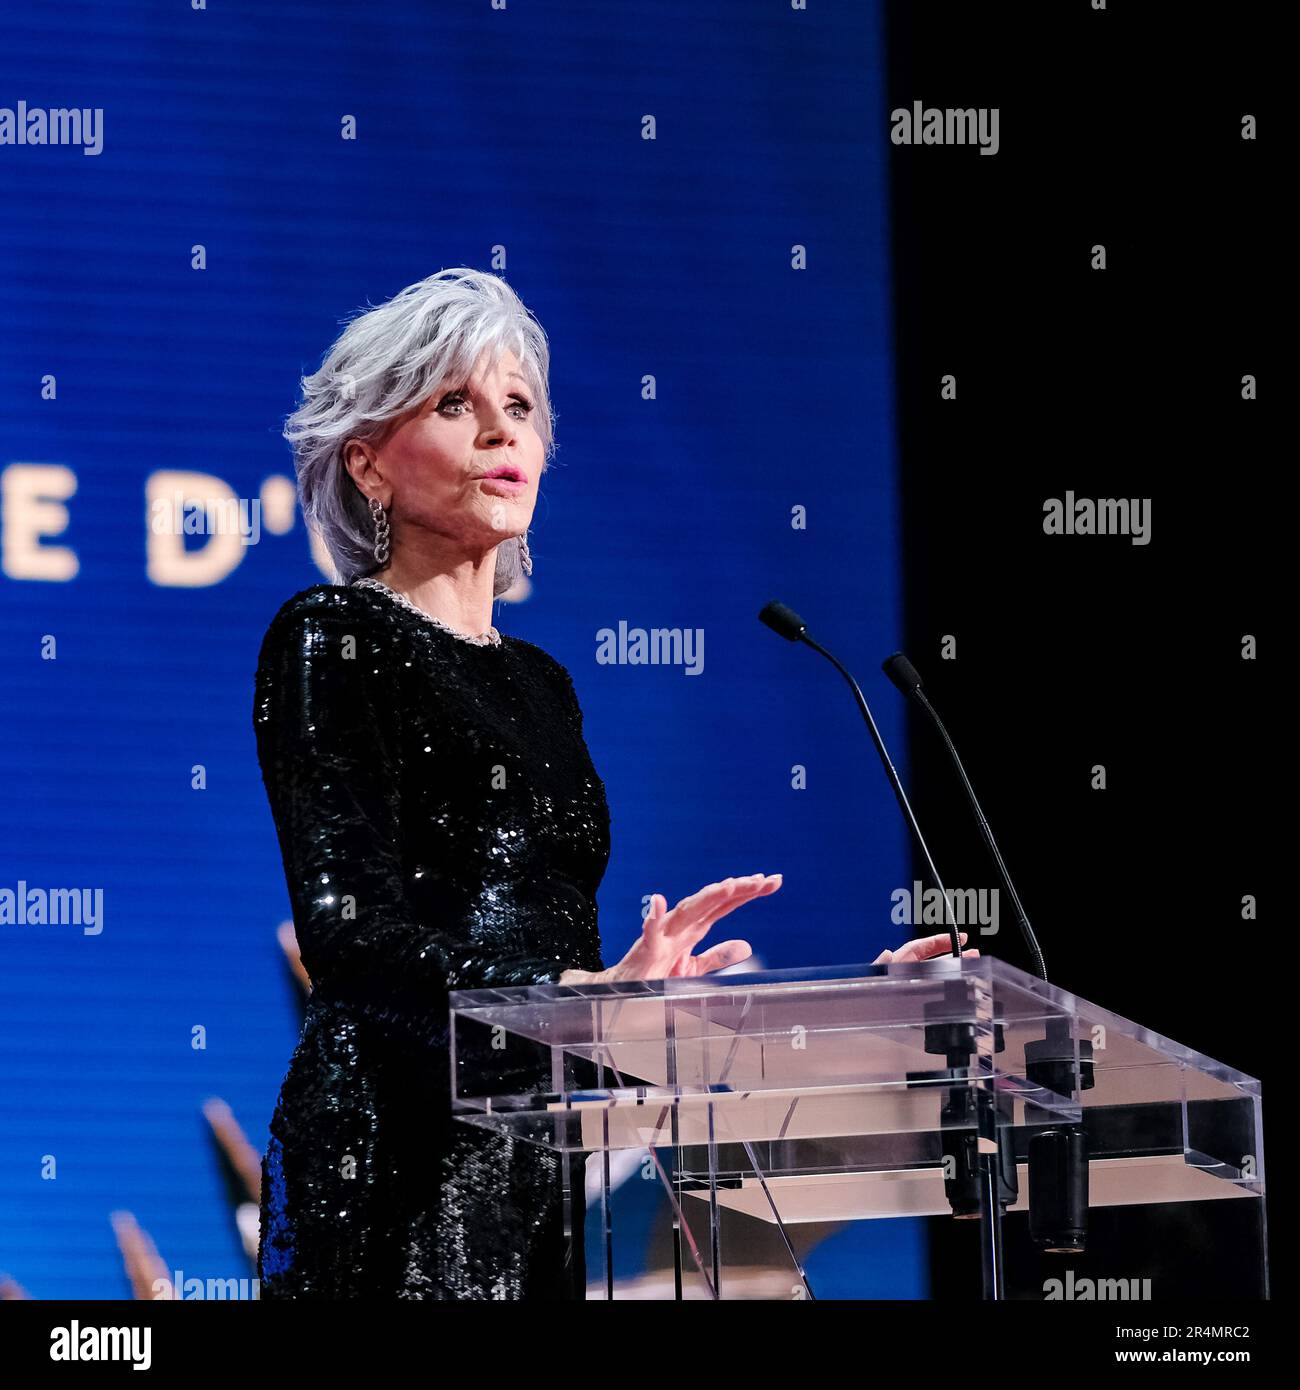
525 557
381 530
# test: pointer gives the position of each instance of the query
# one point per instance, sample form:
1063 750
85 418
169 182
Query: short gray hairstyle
387 361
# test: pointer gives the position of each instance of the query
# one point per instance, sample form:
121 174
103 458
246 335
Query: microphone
905 676
788 624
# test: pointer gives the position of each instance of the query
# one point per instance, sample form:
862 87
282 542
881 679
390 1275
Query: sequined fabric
442 827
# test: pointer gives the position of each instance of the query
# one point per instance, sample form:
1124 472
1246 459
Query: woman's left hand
923 948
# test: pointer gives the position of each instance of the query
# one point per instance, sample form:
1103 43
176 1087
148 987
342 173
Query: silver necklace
490 638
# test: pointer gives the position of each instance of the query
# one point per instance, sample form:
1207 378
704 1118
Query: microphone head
901 671
783 620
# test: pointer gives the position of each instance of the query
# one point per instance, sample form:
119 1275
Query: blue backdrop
690 193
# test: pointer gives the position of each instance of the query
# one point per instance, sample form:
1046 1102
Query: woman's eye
526 407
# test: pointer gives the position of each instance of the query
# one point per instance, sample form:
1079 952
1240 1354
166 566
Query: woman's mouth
505 480
504 484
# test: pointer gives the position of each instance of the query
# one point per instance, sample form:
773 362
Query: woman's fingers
694 916
717 957
692 910
668 938
658 910
702 907
701 922
672 935
926 947
937 945
723 891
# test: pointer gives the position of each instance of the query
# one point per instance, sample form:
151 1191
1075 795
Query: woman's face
435 466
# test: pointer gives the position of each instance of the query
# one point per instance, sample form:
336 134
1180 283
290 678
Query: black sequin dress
442 827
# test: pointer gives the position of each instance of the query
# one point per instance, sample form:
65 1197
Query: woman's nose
499 430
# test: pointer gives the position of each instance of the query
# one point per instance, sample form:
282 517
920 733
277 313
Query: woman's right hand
668 938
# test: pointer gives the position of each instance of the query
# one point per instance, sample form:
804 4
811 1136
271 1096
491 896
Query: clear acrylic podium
772 1135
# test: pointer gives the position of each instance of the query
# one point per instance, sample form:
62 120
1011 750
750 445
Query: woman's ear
362 463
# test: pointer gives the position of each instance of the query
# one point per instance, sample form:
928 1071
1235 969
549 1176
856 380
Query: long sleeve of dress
442 827
336 741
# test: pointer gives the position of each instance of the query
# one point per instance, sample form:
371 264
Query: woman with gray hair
441 823
440 820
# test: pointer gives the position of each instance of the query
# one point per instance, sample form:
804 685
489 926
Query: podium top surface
845 1024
